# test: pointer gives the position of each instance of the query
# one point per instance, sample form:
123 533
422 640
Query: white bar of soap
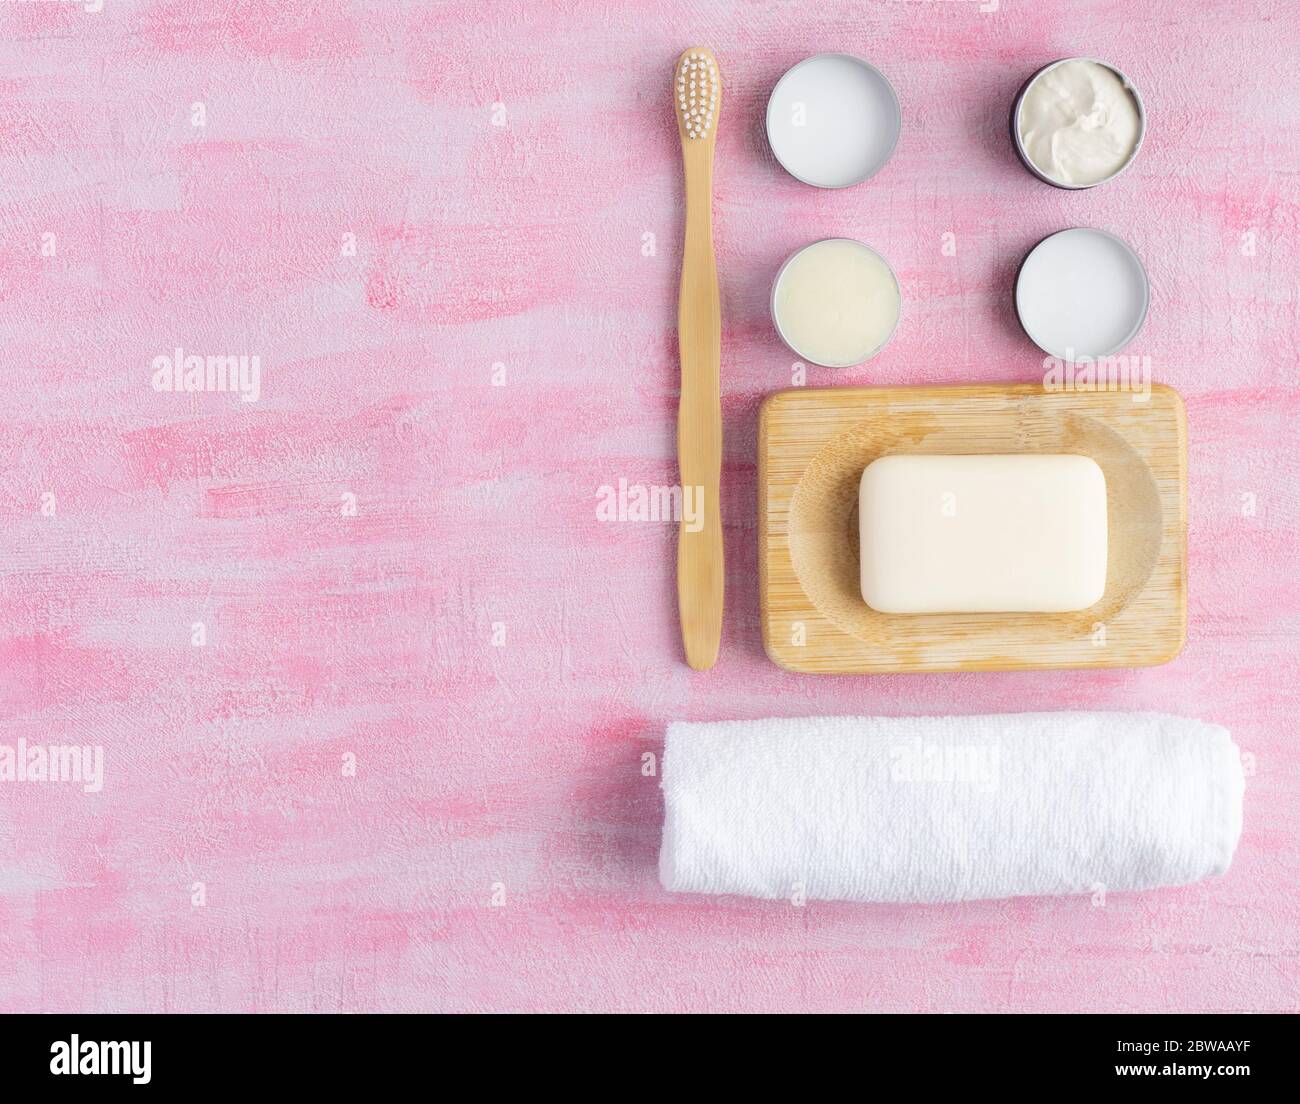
982 534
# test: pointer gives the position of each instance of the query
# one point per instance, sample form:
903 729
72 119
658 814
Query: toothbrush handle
699 425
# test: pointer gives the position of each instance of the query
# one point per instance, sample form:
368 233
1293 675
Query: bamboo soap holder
813 447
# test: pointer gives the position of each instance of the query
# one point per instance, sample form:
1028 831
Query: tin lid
833 120
1082 293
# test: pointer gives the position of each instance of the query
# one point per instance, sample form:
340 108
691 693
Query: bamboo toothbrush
697 97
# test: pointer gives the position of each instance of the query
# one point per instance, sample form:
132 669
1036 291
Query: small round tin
801 353
1023 153
1082 293
833 120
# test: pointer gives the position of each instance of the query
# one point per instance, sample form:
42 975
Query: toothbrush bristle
696 93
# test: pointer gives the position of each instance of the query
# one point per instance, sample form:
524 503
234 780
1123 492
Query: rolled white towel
923 809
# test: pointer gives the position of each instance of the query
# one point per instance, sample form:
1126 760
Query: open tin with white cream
1077 123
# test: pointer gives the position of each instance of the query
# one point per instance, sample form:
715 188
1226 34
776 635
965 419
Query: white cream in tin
1079 123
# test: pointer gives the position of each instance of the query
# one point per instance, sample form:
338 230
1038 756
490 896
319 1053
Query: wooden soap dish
812 448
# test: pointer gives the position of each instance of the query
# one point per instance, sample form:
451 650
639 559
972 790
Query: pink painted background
514 766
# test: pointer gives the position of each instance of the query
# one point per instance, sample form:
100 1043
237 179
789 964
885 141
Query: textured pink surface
514 768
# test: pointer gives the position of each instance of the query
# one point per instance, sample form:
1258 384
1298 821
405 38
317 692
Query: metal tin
897 113
1129 87
1146 281
776 322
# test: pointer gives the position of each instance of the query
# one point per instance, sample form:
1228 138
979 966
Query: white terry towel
947 808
